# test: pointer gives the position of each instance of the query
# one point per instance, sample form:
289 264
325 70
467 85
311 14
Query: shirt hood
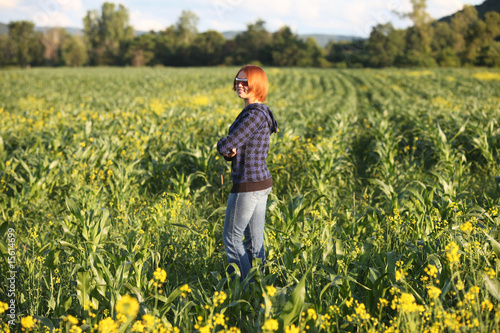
273 124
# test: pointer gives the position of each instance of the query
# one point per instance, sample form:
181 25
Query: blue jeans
245 215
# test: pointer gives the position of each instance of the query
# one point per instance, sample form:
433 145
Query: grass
383 215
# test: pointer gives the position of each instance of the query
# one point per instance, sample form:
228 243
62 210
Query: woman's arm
242 131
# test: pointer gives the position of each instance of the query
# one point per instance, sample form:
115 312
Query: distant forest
470 37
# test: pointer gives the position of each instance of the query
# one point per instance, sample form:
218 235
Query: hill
70 30
482 9
4 29
321 39
324 39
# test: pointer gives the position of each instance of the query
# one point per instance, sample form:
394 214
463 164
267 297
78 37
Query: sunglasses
244 82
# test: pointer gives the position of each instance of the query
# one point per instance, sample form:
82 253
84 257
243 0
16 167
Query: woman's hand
232 153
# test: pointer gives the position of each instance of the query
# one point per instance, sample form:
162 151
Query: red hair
257 81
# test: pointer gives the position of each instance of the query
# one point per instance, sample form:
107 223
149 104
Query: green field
384 214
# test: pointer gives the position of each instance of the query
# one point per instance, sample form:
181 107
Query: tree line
108 40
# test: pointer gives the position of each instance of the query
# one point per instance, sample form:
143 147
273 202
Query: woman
247 146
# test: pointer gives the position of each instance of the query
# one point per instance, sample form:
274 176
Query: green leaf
295 304
337 281
235 303
328 270
493 286
441 134
136 291
53 164
88 128
74 208
64 243
185 227
339 247
373 274
173 295
83 287
3 250
4 227
45 322
349 278
494 244
67 304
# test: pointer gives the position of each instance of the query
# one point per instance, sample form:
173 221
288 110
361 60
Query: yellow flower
270 325
486 304
383 302
219 319
138 327
5 328
361 311
292 329
406 302
3 307
466 227
431 270
493 211
399 274
433 292
271 290
219 298
185 288
148 320
490 271
160 275
311 314
107 325
471 294
72 320
75 329
127 306
452 255
121 318
205 329
487 76
28 322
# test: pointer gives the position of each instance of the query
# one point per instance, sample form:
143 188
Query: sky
336 17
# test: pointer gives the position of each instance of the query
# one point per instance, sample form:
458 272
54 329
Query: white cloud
224 25
353 17
8 4
440 8
225 9
309 10
276 24
146 21
356 17
275 8
72 5
61 20
53 19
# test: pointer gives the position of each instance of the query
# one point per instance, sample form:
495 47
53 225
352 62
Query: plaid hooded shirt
249 134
